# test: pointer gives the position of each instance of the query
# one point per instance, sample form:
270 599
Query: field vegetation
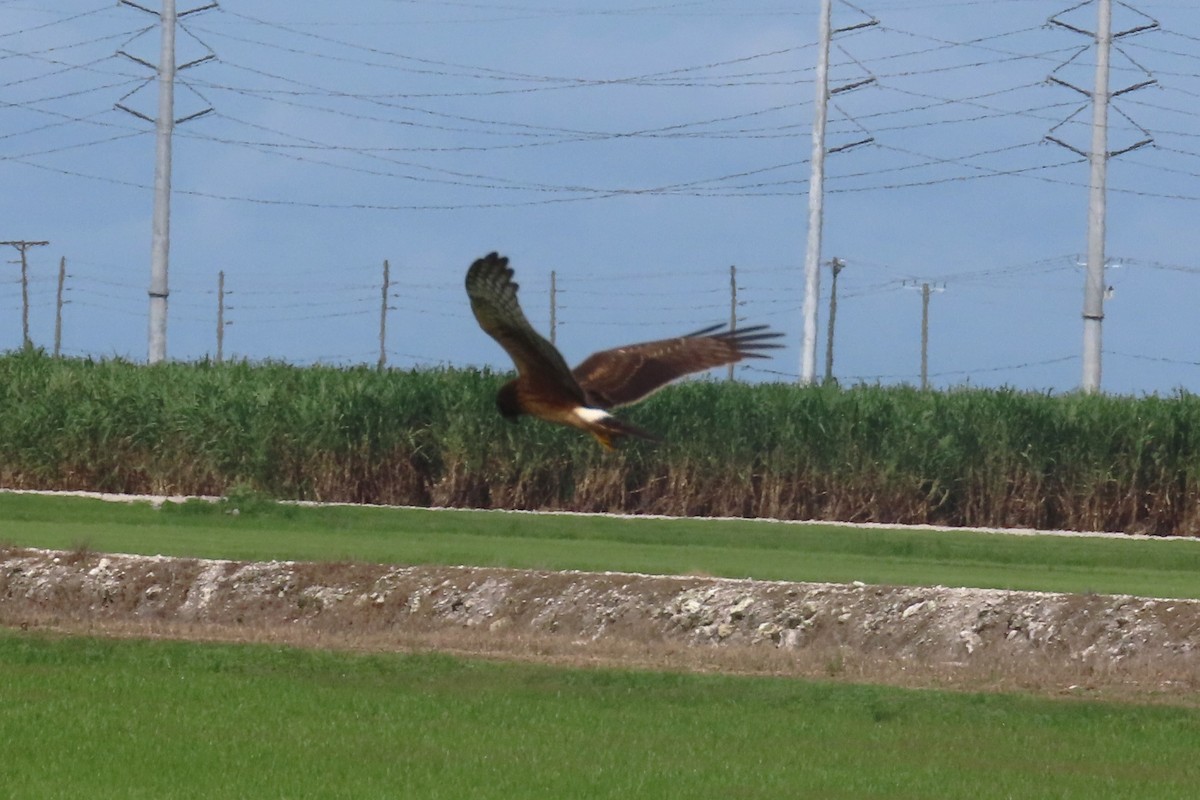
432 437
160 719
263 531
82 717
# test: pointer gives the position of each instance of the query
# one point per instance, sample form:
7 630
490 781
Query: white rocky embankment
523 612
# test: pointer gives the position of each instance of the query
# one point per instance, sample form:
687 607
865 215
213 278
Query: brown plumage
546 388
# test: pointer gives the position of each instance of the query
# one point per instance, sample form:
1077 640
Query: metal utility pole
164 126
220 316
1093 286
160 236
383 309
816 200
553 306
58 306
22 246
816 186
733 301
835 266
1098 156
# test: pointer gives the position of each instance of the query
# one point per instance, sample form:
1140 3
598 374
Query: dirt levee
906 635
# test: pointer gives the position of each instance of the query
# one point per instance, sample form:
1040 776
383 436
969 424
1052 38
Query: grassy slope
732 548
127 719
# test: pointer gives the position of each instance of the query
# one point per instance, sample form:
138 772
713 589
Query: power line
474 70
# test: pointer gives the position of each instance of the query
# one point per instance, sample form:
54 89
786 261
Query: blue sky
638 149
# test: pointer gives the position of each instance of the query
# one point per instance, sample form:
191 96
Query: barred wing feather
493 295
625 375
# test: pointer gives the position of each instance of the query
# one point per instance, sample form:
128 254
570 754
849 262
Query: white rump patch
591 414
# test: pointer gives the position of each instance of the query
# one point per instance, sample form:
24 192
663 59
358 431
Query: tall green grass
867 453
141 719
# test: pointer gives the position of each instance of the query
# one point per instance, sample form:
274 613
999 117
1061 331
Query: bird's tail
609 430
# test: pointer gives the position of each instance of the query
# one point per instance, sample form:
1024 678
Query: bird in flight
546 388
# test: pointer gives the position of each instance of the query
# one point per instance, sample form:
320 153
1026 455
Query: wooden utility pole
835 266
220 316
927 289
553 306
383 309
925 335
22 246
58 304
733 301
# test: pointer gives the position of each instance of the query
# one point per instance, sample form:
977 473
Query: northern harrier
546 388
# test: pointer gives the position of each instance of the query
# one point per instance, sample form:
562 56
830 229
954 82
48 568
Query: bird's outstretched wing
493 295
625 375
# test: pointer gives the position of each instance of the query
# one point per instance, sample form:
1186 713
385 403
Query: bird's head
507 402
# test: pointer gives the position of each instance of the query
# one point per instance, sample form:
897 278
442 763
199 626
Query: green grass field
735 548
967 456
82 717
154 719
